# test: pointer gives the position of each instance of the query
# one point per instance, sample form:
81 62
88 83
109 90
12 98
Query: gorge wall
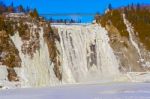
37 54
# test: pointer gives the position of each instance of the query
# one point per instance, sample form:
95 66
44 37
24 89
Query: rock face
9 56
66 54
37 54
51 37
12 76
125 51
131 52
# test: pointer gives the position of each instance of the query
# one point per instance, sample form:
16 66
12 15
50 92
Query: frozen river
97 91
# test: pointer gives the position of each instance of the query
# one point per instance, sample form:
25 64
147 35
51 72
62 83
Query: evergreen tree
2 7
27 10
138 7
35 13
110 7
11 8
97 17
20 8
2 23
125 10
12 5
132 6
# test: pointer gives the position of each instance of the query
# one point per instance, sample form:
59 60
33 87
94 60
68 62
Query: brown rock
12 76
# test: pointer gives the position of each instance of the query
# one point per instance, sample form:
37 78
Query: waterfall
85 53
36 71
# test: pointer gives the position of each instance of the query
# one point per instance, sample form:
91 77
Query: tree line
13 9
32 12
18 9
64 20
132 6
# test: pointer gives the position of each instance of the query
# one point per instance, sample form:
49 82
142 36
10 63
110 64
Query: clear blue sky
73 6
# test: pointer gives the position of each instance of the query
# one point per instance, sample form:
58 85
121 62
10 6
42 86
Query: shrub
140 20
115 18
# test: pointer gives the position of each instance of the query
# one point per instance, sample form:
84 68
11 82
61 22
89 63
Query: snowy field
97 91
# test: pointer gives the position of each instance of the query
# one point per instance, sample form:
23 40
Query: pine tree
20 8
12 5
138 7
35 13
27 10
132 6
2 7
110 7
97 17
11 8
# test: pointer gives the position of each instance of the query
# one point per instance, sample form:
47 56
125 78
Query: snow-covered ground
97 91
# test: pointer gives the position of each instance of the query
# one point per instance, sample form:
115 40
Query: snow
16 15
4 73
4 83
131 32
139 76
70 24
97 91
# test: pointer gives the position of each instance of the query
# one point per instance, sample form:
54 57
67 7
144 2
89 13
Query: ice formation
85 52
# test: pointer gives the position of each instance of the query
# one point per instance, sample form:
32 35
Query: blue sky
73 6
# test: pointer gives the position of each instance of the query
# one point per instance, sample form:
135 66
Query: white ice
86 54
36 71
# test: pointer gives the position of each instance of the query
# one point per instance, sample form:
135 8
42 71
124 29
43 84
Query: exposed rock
50 36
12 76
9 55
32 44
125 44
124 51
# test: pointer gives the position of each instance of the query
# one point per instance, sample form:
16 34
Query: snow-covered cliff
35 54
83 55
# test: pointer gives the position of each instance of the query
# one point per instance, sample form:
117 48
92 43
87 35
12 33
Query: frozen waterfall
85 53
36 71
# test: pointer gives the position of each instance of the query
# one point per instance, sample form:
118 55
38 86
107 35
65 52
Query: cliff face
34 53
128 37
61 54
25 46
9 56
51 37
